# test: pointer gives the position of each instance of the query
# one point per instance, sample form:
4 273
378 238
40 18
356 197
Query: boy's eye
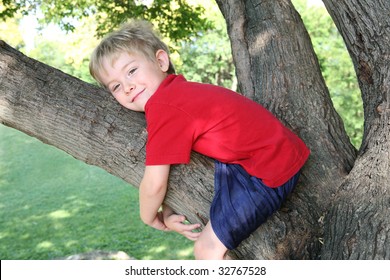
132 71
115 88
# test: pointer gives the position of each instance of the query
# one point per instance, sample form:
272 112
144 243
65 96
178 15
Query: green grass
52 206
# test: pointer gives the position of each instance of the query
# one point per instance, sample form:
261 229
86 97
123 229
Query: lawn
52 206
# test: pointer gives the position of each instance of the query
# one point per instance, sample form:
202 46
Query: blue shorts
242 203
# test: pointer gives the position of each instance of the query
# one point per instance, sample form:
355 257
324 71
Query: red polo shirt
222 124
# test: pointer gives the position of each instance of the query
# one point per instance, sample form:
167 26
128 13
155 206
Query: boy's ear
162 60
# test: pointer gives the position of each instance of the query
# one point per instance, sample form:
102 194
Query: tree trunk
277 67
280 71
358 224
270 43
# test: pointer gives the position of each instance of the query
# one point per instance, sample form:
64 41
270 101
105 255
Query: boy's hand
176 223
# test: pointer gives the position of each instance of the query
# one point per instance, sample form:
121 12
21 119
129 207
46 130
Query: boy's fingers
181 218
188 227
177 218
193 226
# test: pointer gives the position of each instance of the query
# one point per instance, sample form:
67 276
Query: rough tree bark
358 223
275 59
283 74
277 67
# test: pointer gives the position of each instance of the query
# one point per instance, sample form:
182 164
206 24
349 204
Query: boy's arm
152 193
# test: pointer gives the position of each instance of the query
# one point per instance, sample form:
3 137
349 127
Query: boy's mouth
136 96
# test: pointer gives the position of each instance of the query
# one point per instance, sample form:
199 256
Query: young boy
257 158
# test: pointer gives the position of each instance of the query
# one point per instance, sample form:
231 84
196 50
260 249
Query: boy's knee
205 249
208 246
201 250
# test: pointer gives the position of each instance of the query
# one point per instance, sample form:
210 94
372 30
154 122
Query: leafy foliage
336 67
207 57
9 32
69 52
176 19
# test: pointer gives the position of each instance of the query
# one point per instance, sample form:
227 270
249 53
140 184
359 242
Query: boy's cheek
118 100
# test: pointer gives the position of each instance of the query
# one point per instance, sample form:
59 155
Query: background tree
69 52
176 19
336 66
207 57
276 66
9 29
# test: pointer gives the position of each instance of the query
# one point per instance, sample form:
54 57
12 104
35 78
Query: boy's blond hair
135 37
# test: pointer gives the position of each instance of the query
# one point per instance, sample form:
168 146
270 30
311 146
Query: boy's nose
129 89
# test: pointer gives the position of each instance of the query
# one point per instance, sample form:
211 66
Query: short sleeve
170 135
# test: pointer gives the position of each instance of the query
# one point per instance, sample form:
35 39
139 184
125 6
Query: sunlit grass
52 206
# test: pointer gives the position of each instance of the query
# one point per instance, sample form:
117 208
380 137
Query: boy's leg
208 246
242 203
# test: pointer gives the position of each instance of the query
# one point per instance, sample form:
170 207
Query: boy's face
133 79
